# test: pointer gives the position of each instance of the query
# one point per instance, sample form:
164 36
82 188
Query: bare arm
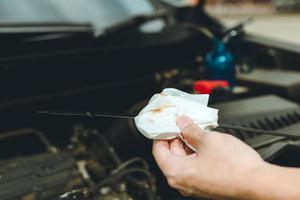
223 168
271 182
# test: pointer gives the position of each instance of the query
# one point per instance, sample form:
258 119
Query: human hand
217 170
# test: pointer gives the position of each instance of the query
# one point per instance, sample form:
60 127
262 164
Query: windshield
100 13
273 19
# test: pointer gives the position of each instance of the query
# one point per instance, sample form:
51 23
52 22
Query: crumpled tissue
157 120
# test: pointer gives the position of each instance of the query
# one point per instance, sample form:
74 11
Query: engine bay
82 158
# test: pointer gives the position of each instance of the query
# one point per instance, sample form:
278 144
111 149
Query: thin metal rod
86 114
121 116
259 131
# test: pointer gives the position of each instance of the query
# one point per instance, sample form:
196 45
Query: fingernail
183 121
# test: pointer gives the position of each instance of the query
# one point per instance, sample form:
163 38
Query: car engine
76 67
88 169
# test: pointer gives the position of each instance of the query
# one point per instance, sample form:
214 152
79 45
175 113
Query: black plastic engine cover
43 176
269 113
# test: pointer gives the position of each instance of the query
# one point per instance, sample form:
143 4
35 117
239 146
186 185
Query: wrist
250 182
272 182
240 187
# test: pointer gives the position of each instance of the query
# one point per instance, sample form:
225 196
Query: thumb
190 131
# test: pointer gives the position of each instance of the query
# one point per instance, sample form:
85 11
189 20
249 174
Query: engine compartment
78 172
68 158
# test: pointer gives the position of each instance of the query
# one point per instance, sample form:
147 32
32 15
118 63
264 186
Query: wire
115 177
110 149
130 162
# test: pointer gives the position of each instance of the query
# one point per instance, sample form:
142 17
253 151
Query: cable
110 149
130 162
115 177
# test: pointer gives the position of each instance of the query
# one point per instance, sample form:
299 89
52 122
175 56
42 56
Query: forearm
271 182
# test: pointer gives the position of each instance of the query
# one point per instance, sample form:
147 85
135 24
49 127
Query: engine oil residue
157 110
161 109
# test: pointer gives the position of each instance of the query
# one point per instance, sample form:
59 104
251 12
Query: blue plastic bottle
220 64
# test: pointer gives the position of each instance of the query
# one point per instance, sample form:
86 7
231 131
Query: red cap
207 86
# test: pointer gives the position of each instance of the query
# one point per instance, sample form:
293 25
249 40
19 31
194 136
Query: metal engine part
42 176
88 169
269 113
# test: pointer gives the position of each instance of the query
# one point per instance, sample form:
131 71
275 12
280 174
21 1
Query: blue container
220 64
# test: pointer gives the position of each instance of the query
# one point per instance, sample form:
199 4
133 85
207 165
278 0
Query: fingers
161 152
190 131
183 121
177 147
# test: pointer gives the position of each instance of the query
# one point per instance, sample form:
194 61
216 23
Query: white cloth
158 119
